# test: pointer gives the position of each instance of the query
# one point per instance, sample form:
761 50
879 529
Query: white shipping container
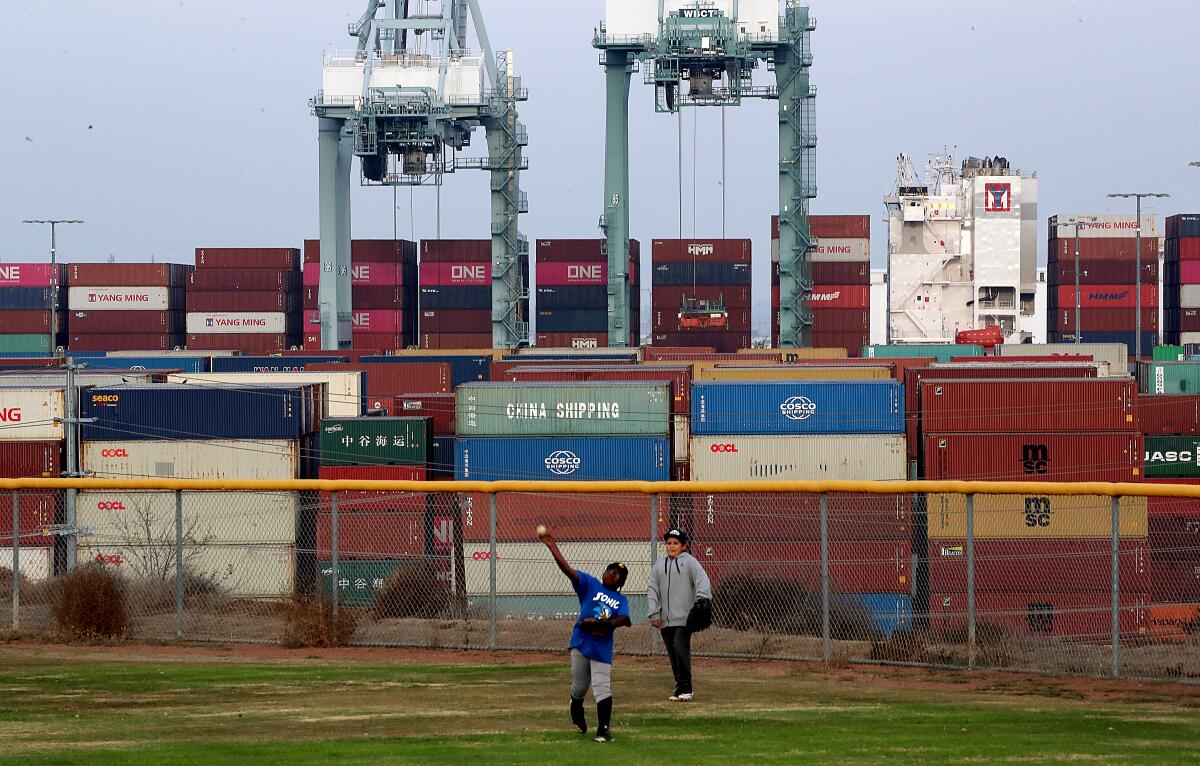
526 569
54 377
36 563
196 459
31 413
148 518
242 571
1114 355
120 298
681 427
1189 296
1106 226
829 250
218 322
1189 337
798 458
344 389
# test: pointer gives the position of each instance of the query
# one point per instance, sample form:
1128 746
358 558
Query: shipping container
439 407
667 298
723 342
37 512
854 567
242 301
1080 617
44 377
580 340
841 250
787 516
384 382
375 342
385 321
119 322
1033 566
572 296
581 250
28 299
835 320
37 564
373 534
172 362
701 251
1035 517
1106 296
241 571
1116 355
215 459
31 414
455 320
135 275
124 298
607 517
807 407
375 441
667 320
571 458
1101 320
354 500
571 320
30 322
1183 225
1126 339
442 451
366 274
373 251
240 322
1177 581
847 226
456 274
166 411
125 342
1113 457
455 250
250 280
32 275
1174 622
147 519
30 459
249 343
464 367
344 390
1167 414
1170 377
583 273
438 297
678 376
833 371
274 363
1171 457
1096 250
1106 226
526 569
798 458
594 408
281 258
940 352
1102 273
700 273
1020 406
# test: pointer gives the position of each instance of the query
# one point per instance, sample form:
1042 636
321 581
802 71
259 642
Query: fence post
654 501
1116 586
970 581
16 561
492 569
179 564
334 573
826 644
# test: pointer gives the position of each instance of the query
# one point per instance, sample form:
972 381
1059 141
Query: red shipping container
766 516
278 258
580 339
1022 406
841 297
679 376
456 320
1084 617
389 380
1189 272
670 297
1168 414
839 226
373 501
456 250
373 472
125 342
1114 457
455 340
1189 320
31 322
555 274
720 250
1107 297
439 406
582 250
854 567
380 341
382 534
37 510
30 363
31 275
1174 581
569 516
243 300
368 251
1034 566
853 342
363 321
1103 320
723 342
1187 249
686 354
139 322
681 471
442 274
382 297
127 274
666 320
365 274
1100 249
1101 273
251 343
841 320
230 280
837 273
34 460
1064 360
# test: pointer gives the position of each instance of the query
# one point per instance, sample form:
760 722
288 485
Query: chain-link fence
1046 582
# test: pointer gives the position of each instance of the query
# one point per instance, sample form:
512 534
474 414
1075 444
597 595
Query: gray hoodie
676 583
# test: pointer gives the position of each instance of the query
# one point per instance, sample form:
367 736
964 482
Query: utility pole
1077 221
71 422
1137 341
53 270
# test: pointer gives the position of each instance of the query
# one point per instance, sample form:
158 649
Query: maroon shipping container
1034 566
389 380
1189 320
1105 297
665 319
766 516
138 322
840 226
277 258
1103 320
1100 249
456 250
456 320
30 363
251 343
368 251
679 376
853 342
720 250
1174 582
372 501
1110 456
681 471
1167 414
455 340
669 297
439 406
841 297
855 321
381 297
570 516
566 250
723 342
126 342
383 534
1022 406
580 339
37 510
682 353
31 322
36 460
244 300
854 567
1055 359
836 273
380 341
1101 272
1084 617
1186 249
127 274
226 280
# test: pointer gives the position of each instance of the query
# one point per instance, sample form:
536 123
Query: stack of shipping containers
1042 563
572 293
841 273
254 544
1108 272
126 306
1181 280
31 444
707 270
456 293
383 293
244 298
805 430
28 311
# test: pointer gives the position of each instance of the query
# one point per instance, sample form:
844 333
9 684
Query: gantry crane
405 102
714 45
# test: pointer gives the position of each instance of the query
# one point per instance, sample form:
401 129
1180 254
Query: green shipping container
599 408
375 441
26 343
1170 378
1172 457
1168 353
942 352
359 580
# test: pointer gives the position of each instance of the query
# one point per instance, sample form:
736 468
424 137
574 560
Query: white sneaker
685 697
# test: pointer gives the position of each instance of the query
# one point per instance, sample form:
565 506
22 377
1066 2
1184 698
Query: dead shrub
312 624
158 595
89 603
905 645
6 583
411 592
781 605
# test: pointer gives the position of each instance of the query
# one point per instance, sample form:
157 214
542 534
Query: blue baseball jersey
603 604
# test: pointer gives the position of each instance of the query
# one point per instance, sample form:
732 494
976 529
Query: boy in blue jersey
602 609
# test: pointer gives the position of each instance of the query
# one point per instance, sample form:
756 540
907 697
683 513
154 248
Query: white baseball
541 530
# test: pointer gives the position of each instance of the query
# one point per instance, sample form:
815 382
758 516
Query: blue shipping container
888 612
167 411
270 363
798 407
441 457
181 363
941 352
572 320
28 298
463 369
555 458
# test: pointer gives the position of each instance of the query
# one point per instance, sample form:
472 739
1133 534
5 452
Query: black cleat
577 716
603 734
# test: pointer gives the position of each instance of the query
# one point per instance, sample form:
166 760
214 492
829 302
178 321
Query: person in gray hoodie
676 584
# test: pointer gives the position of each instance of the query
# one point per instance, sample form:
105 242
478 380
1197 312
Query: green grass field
152 705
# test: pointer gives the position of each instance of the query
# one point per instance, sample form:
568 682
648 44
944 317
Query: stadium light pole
1194 164
1077 221
53 270
1139 196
